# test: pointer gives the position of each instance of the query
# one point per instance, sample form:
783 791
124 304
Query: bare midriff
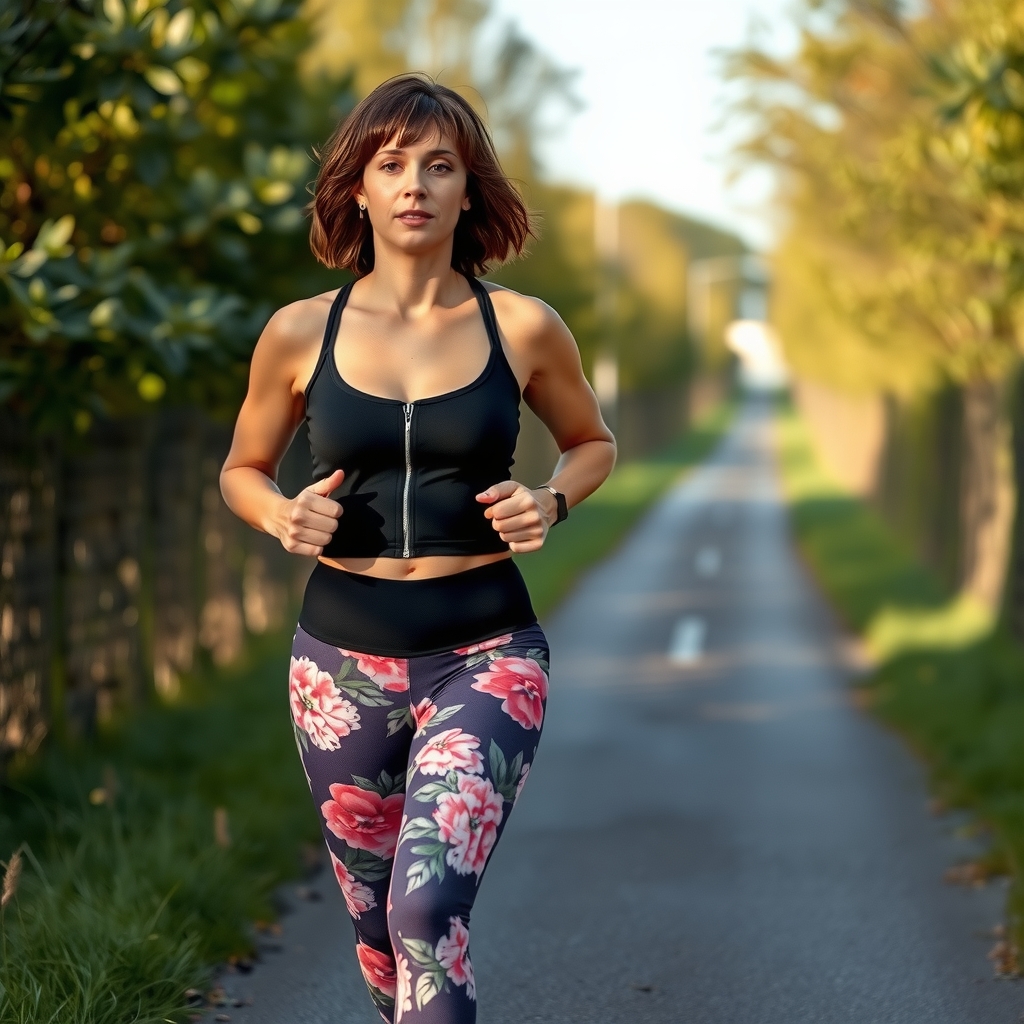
423 568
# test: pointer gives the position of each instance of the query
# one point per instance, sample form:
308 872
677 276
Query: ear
465 203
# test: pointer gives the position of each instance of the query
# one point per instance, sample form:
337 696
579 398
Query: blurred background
819 198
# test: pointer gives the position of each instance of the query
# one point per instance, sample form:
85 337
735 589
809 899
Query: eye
440 166
390 165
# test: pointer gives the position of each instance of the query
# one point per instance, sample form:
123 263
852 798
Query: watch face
563 508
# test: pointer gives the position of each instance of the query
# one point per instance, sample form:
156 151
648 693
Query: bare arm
266 424
558 392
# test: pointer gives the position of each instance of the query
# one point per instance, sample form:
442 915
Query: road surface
712 833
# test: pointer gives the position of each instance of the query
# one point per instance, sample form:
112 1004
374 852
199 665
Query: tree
153 158
899 140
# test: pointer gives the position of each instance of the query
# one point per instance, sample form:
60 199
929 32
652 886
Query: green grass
595 527
127 899
949 682
124 904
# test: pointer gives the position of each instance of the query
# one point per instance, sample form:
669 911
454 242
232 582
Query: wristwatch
563 508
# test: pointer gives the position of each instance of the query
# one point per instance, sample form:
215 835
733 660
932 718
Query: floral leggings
414 765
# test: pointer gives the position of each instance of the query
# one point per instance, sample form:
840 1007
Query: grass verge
949 683
150 853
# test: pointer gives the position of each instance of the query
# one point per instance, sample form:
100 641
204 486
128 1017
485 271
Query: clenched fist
521 516
305 524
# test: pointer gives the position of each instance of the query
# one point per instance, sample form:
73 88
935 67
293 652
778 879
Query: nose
414 187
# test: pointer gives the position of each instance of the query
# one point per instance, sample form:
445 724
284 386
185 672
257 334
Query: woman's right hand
305 524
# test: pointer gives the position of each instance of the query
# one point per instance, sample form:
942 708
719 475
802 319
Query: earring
362 206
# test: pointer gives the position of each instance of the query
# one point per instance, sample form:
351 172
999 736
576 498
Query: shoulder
293 328
289 346
528 323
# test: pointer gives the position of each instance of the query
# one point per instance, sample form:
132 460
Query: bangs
415 119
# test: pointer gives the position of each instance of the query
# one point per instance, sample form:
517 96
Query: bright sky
649 79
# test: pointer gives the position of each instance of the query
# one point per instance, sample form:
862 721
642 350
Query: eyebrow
433 152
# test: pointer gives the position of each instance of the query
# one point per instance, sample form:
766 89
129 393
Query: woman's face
414 194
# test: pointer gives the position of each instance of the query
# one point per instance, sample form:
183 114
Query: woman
419 672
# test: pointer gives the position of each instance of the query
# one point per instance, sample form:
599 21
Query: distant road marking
687 641
708 561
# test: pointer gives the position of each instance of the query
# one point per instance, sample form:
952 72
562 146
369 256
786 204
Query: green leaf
428 849
427 986
364 783
431 791
419 873
540 656
366 693
444 714
300 736
164 80
366 865
422 953
499 766
419 828
398 719
395 785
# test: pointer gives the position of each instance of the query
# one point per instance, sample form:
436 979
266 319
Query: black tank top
413 469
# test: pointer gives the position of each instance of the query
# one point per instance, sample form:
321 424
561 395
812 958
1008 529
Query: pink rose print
423 713
451 749
486 645
468 820
378 969
453 955
358 897
318 707
387 673
522 684
364 819
403 998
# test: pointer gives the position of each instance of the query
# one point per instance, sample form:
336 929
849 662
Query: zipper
407 409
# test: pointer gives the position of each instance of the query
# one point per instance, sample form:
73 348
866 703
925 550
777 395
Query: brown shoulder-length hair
408 108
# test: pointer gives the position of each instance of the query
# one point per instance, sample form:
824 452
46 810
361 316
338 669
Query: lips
414 217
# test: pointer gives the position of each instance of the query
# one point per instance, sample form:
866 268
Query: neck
411 285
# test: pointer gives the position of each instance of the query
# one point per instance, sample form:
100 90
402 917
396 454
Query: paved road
712 833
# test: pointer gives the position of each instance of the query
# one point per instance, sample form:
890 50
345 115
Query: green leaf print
422 953
419 873
385 784
382 999
540 656
444 714
301 739
398 719
419 828
429 793
365 865
504 775
429 849
363 691
428 985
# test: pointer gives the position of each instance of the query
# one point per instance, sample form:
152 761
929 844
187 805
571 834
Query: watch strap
560 503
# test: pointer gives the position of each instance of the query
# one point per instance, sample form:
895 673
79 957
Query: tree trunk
987 495
28 574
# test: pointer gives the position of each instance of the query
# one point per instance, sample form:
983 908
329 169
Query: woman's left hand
521 516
